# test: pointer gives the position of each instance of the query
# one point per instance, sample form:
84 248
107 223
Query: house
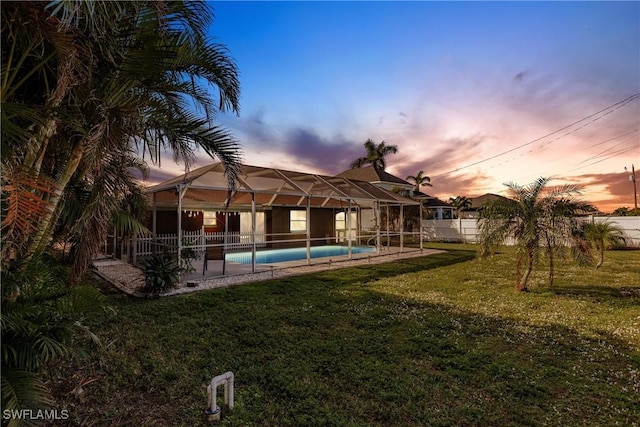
274 209
478 202
439 209
383 179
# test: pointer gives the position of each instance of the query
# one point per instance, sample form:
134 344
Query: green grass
441 340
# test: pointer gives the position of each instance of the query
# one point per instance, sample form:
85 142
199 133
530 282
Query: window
210 219
298 221
341 222
245 227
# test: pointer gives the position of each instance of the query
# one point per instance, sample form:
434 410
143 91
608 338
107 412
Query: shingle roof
435 202
370 174
478 202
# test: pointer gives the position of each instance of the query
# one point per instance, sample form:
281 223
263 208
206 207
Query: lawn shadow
622 296
360 357
373 272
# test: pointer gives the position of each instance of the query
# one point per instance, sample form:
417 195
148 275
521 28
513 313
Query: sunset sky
475 94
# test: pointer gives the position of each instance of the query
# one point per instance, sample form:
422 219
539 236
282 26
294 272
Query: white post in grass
213 412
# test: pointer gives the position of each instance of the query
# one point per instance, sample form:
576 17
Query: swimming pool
271 256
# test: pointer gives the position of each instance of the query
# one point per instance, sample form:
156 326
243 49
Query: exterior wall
191 220
466 230
167 221
322 225
278 221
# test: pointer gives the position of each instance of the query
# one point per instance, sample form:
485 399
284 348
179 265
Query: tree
420 180
601 236
90 91
87 88
375 155
559 224
461 203
41 321
534 217
624 211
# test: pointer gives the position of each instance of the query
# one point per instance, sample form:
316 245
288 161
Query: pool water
280 255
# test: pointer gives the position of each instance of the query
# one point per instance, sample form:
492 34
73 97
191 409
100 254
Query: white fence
199 240
450 230
466 230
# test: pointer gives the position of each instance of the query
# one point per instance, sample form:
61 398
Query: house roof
372 175
267 187
478 202
434 202
431 201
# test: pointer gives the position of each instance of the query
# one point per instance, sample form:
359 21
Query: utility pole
632 178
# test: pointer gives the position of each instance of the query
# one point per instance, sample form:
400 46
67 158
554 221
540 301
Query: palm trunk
518 274
523 283
551 255
47 223
38 146
551 269
601 260
38 143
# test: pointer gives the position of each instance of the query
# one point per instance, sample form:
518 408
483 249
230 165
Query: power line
603 151
615 137
620 151
612 107
614 154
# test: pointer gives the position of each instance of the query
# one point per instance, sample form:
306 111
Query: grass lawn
438 341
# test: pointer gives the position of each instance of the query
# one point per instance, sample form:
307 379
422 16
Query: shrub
161 272
41 322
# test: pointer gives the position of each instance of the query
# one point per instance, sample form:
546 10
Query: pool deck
129 279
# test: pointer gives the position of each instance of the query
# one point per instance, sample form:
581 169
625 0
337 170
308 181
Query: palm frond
24 203
23 389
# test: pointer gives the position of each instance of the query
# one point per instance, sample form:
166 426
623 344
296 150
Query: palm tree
559 226
420 180
461 203
375 155
601 236
89 91
531 217
40 322
136 86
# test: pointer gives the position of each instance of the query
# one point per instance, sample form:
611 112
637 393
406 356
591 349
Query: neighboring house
477 203
381 179
439 209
